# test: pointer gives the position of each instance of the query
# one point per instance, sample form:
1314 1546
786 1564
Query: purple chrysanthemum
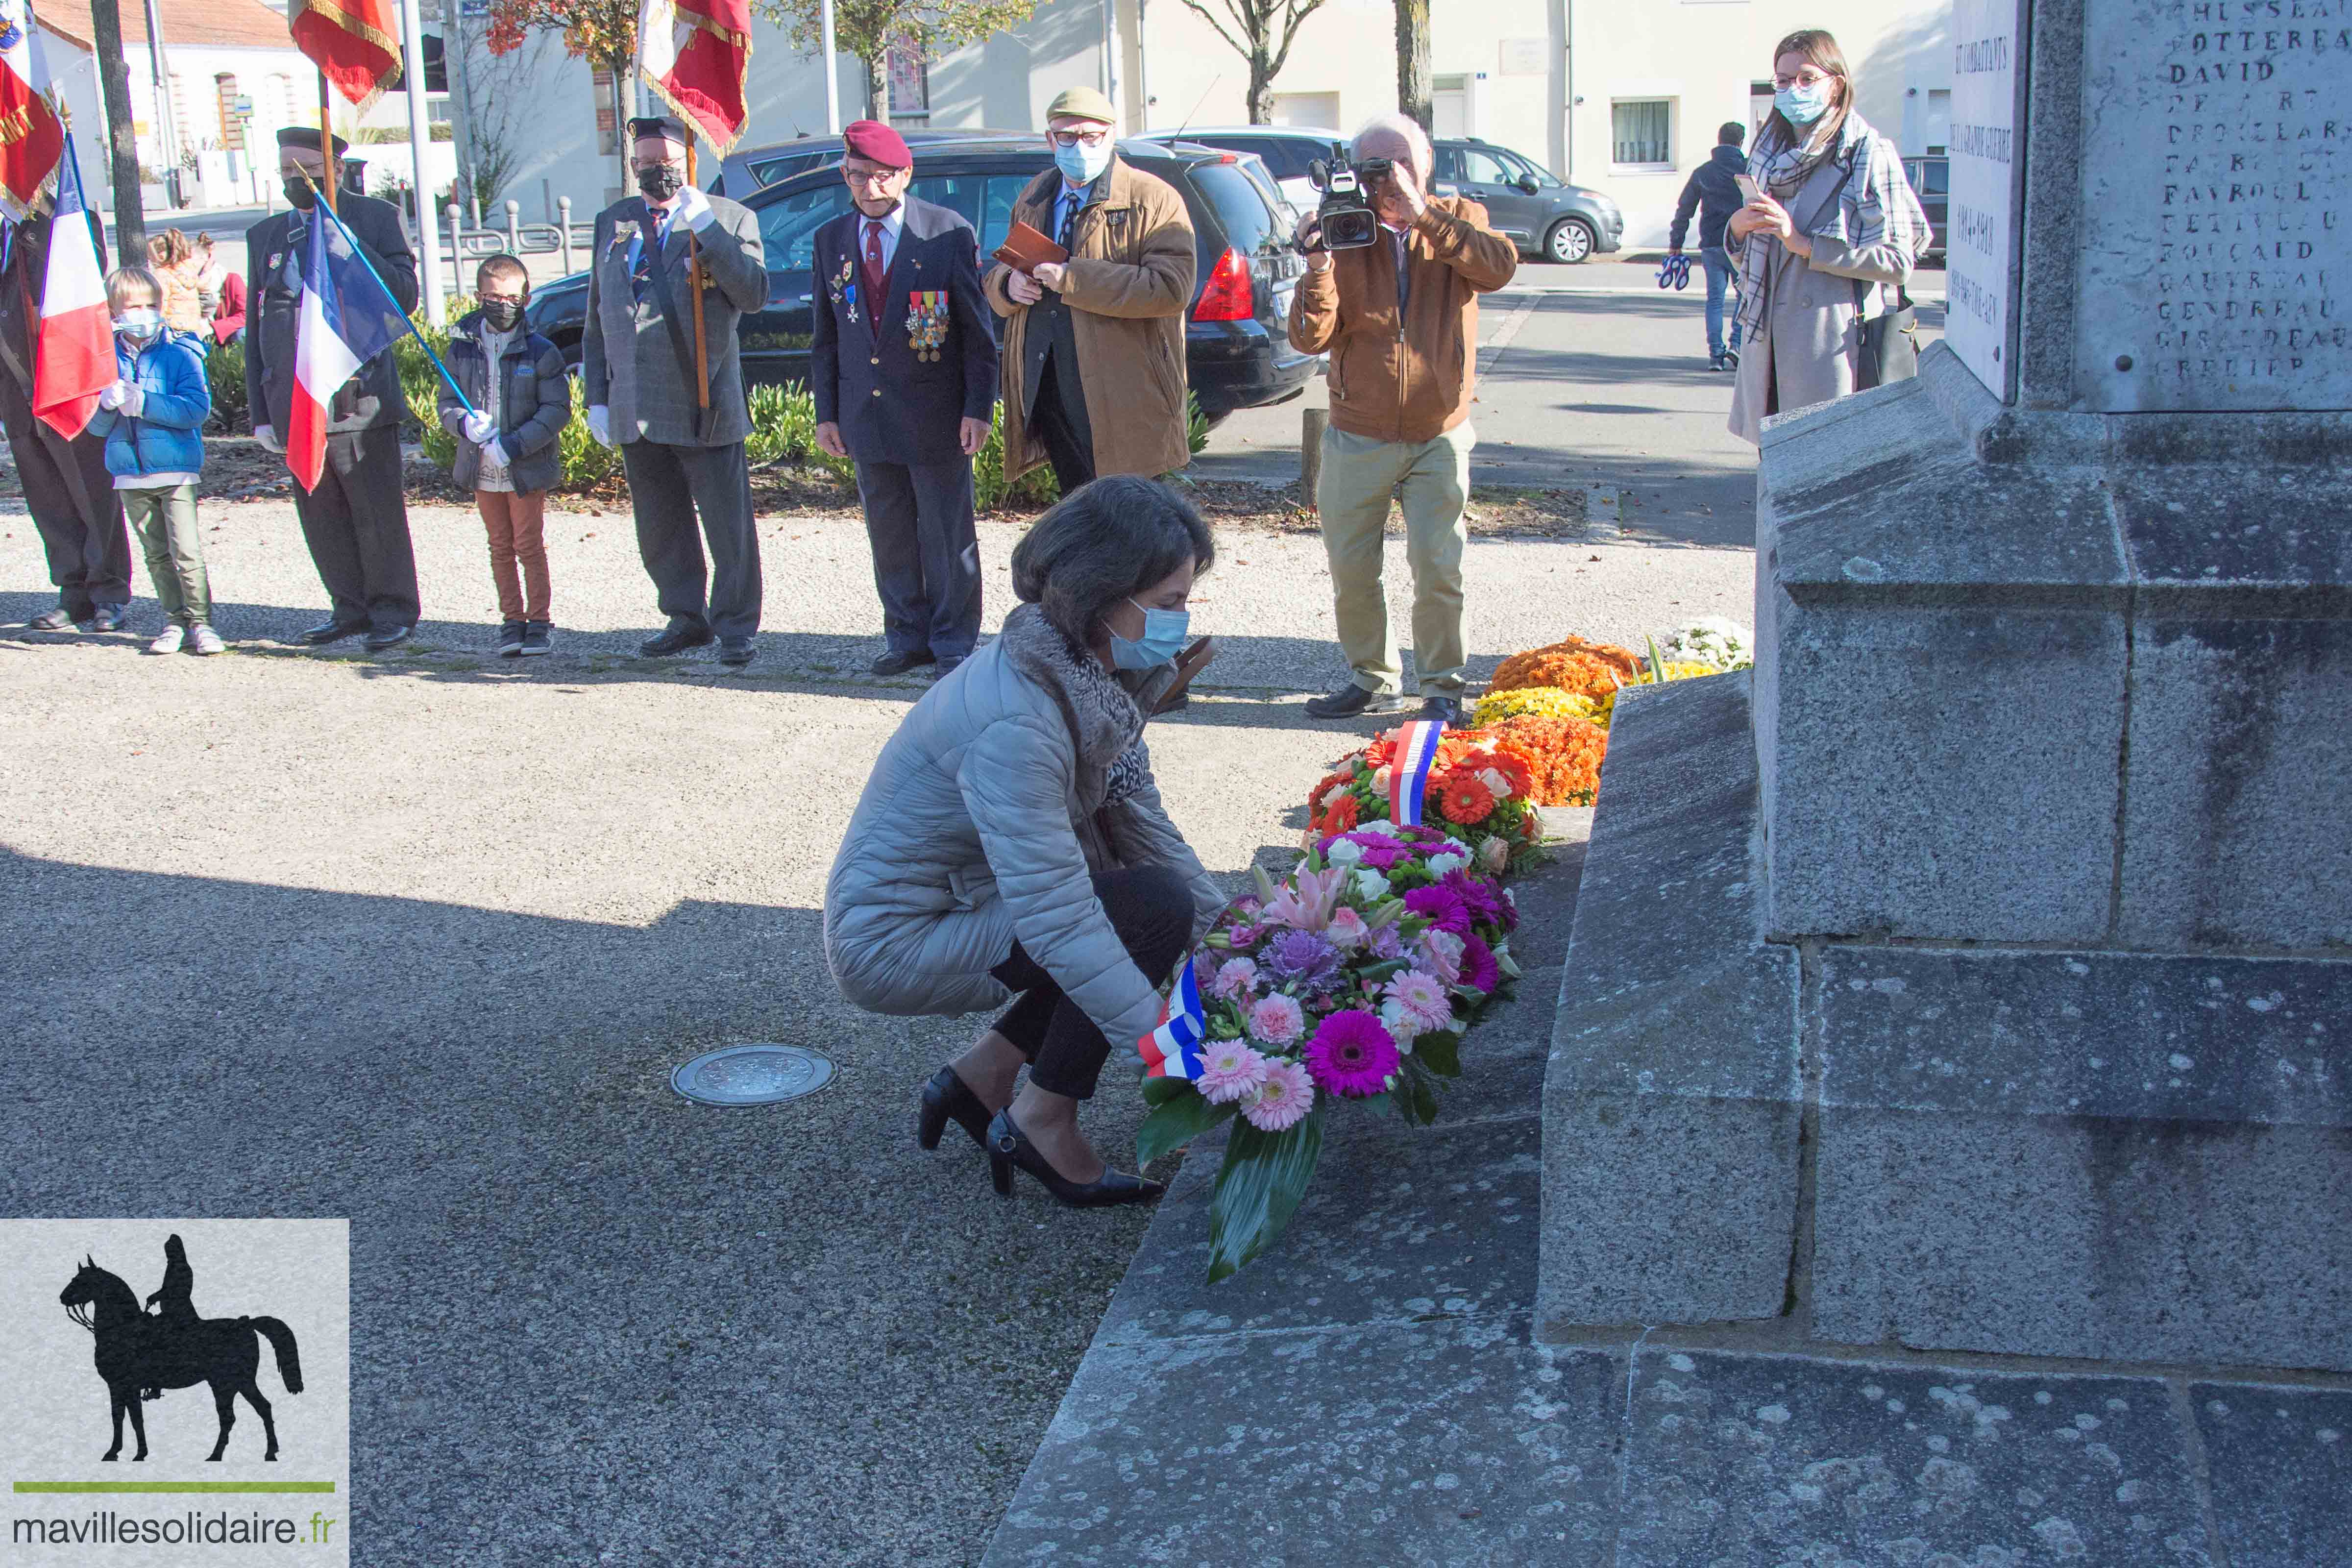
1302 958
1479 970
1380 851
1477 894
1352 1054
1442 907
1386 943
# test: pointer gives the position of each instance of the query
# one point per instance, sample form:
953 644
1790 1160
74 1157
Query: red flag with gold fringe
355 44
694 53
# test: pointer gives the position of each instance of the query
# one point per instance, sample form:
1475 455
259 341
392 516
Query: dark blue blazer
892 406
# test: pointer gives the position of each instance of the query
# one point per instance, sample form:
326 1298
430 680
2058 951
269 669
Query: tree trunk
1413 60
878 87
1261 90
114 82
620 70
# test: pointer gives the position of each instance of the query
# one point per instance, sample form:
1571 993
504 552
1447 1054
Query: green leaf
1657 665
1160 1090
1258 1189
1381 1104
1440 1051
1265 884
1177 1122
1424 1103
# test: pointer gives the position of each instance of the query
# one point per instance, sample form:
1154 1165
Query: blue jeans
1720 274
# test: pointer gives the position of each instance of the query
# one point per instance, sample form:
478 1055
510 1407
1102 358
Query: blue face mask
1802 105
1163 640
1082 165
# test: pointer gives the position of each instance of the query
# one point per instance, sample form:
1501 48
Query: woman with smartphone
1829 235
1011 843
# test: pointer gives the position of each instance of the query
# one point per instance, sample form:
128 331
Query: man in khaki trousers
1399 319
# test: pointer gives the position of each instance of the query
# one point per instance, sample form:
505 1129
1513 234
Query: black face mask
502 314
299 192
659 181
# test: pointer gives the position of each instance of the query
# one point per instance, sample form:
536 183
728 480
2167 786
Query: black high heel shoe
947 1095
1009 1146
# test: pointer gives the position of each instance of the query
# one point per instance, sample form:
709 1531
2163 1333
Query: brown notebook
1025 248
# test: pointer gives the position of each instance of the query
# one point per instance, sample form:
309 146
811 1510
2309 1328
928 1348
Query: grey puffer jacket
1011 783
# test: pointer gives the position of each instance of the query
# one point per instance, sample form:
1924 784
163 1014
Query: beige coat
1130 284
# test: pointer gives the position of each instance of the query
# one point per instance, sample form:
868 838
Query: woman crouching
1012 840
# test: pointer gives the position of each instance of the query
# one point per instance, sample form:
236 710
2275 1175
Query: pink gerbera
1480 972
1422 999
1441 954
1229 1070
1285 1097
1352 1054
1276 1020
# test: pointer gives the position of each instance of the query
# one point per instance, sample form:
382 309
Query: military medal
842 290
926 322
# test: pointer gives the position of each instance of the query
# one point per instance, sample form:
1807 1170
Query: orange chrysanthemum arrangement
1479 791
1562 756
1575 665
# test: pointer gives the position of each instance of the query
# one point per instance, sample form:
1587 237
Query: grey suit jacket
628 359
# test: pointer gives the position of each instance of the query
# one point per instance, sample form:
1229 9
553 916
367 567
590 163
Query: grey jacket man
984 821
629 358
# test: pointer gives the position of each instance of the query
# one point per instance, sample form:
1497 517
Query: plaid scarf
1876 208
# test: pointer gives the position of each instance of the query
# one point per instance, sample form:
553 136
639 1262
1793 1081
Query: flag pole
694 282
409 322
327 142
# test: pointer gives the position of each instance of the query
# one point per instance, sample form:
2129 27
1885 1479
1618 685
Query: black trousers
668 485
78 515
926 554
1059 415
356 525
1150 908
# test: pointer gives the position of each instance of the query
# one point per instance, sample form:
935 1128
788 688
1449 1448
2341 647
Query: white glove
494 456
478 427
135 398
694 209
599 424
269 437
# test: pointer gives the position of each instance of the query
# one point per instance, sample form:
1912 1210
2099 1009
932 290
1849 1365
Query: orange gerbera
1379 751
1467 798
1515 771
1342 817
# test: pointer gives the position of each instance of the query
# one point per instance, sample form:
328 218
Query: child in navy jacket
152 418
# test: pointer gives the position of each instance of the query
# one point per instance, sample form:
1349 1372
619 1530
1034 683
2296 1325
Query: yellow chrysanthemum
1549 701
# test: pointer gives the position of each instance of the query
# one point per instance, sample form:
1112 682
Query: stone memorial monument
1977 976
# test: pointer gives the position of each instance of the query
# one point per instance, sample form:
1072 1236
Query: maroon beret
876 143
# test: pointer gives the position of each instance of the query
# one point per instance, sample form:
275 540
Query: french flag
73 356
1174 1050
1416 750
347 318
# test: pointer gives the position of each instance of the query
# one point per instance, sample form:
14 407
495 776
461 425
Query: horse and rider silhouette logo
141 1353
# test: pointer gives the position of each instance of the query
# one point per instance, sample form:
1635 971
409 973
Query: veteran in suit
637 367
903 366
356 522
1093 346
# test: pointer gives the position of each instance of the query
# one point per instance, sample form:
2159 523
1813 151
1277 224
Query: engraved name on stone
2217 178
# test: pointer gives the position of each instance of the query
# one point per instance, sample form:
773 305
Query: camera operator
1399 319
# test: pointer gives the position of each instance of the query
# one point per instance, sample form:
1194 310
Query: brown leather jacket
1407 380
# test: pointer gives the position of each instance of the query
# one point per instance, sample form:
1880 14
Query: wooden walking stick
327 141
694 283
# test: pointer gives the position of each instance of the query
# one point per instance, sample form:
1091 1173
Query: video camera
1345 219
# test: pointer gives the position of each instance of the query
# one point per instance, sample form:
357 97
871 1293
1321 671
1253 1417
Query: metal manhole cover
753 1075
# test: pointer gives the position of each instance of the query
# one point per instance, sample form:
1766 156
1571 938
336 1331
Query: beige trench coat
1130 284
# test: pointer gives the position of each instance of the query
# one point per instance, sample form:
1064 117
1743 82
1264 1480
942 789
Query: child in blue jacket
152 418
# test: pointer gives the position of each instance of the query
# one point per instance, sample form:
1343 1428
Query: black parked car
1238 353
1543 214
1931 182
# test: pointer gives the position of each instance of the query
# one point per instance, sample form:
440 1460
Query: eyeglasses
1808 76
869 176
1076 138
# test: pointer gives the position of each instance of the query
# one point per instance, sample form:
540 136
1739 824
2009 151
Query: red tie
874 275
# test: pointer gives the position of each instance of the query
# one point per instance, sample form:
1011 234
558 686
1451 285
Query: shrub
784 430
587 465
224 374
1037 488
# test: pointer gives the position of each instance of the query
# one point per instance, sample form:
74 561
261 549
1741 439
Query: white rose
1380 778
1344 853
1499 786
1370 886
1393 1019
1448 861
1383 825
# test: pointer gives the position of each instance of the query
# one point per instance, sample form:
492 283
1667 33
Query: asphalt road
418 940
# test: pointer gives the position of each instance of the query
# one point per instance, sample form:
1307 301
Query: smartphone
1748 189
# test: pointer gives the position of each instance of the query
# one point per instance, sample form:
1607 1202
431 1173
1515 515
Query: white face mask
140 324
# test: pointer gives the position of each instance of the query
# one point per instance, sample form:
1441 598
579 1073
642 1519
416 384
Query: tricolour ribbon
1174 1050
1416 753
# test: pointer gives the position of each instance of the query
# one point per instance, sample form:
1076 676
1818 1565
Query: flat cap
650 125
307 138
878 143
1082 103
